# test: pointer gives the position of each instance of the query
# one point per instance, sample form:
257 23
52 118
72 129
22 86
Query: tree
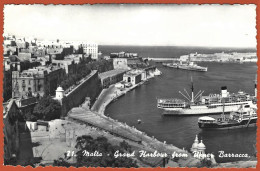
47 109
29 116
205 163
124 145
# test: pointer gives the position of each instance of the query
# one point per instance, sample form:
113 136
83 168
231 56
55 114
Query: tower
59 93
194 147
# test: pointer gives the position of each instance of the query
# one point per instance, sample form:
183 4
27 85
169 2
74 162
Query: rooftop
111 73
133 73
38 71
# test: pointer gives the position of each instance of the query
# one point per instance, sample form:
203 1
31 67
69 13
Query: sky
136 24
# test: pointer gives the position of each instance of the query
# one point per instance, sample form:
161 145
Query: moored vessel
188 65
245 116
205 105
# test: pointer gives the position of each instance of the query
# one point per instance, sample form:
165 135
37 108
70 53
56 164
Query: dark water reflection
180 131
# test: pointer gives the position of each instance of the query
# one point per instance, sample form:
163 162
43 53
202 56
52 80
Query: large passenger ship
204 105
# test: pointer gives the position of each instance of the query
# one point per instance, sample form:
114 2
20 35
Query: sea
181 130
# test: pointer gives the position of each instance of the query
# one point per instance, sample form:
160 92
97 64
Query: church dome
201 146
195 145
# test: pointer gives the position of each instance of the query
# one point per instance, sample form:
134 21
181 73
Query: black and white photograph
130 85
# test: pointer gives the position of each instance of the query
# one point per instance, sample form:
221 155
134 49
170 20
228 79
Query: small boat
157 72
244 117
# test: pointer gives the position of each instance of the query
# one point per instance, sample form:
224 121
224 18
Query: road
106 96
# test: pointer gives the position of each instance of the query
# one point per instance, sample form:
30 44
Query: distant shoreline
185 46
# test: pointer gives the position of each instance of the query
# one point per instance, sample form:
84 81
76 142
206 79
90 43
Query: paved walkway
108 95
103 122
131 134
105 97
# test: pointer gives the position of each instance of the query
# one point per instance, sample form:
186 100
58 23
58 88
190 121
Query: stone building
111 77
68 64
11 132
36 82
120 63
133 77
28 83
127 63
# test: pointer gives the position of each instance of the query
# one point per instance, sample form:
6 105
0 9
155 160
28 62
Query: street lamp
111 122
139 121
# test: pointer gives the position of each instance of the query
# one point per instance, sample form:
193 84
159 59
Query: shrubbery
84 68
47 109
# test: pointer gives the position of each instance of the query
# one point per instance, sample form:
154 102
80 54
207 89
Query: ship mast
192 91
191 98
255 85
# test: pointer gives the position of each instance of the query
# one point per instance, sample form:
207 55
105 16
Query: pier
161 59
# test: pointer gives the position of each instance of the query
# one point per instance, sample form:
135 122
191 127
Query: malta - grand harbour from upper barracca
121 86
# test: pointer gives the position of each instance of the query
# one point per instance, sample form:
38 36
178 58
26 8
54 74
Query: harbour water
180 131
168 51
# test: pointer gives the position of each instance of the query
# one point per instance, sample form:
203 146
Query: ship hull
193 69
242 124
200 69
203 110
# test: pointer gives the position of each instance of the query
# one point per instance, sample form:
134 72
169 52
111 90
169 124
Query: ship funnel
224 92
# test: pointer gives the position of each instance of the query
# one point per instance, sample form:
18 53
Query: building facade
133 77
111 77
91 49
36 82
27 83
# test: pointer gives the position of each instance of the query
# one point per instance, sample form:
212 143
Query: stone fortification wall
91 87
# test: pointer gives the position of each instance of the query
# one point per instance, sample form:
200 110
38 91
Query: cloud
135 24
